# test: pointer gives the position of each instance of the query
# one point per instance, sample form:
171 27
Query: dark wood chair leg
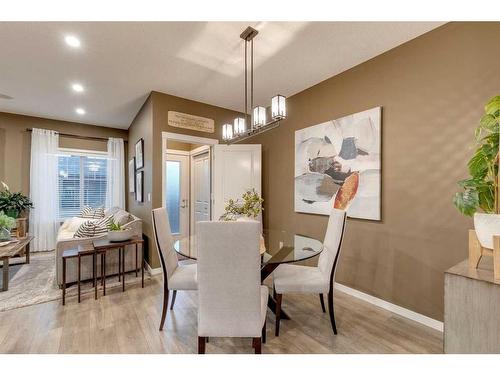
257 345
279 298
165 305
322 302
264 333
173 300
332 314
201 345
136 260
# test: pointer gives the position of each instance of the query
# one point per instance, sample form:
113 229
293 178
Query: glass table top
279 247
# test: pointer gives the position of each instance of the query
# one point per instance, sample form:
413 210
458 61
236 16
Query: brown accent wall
15 144
432 90
142 127
149 124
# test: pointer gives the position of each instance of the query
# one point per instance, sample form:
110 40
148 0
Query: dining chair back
231 300
164 242
290 278
332 244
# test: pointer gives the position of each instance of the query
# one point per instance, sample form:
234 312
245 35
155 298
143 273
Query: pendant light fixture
243 128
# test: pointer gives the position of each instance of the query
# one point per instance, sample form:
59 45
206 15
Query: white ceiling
120 63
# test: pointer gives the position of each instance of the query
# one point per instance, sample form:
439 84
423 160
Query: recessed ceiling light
77 87
72 41
80 111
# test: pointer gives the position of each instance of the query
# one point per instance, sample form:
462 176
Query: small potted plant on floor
6 224
480 190
117 234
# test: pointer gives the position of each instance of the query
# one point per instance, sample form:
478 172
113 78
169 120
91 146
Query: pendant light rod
246 85
251 74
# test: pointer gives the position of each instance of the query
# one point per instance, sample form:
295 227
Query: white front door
177 198
200 193
237 168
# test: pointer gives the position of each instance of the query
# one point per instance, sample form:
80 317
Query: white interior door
236 169
177 198
200 193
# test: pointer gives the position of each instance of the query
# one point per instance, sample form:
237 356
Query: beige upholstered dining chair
290 278
175 276
231 300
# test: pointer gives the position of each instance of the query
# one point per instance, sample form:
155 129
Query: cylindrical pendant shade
227 132
259 117
278 107
239 126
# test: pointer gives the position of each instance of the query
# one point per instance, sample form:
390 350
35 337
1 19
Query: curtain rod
79 136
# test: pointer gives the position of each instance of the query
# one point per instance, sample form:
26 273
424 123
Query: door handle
184 203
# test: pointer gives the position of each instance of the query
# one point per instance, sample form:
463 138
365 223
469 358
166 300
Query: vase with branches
250 206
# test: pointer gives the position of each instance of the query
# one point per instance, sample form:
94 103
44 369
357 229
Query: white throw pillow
121 217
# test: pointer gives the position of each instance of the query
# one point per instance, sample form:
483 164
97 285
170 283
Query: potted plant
480 190
251 207
13 204
117 233
6 224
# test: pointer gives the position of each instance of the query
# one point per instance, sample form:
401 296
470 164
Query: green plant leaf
466 202
493 106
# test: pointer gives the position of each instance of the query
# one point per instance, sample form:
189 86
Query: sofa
66 241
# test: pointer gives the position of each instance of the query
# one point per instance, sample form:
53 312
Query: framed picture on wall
139 181
131 175
139 154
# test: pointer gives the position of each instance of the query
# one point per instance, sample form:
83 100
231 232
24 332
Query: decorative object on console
251 207
337 164
131 175
13 204
6 224
480 190
256 115
139 154
139 194
117 233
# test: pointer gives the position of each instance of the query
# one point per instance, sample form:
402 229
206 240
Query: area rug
34 283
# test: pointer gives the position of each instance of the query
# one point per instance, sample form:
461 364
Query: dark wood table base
271 302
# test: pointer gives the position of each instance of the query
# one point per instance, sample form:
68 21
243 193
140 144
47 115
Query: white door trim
181 138
189 138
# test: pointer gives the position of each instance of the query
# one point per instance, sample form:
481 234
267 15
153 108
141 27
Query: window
82 182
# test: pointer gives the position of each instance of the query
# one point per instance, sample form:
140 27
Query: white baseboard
419 318
152 271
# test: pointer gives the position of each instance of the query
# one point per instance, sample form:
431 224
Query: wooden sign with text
185 121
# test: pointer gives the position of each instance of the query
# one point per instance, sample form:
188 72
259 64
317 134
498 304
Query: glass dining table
279 247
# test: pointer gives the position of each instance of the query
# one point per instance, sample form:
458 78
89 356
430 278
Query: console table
18 247
471 306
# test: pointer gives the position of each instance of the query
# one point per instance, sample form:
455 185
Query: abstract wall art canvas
337 164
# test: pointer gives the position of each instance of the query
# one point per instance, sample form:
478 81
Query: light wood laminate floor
128 323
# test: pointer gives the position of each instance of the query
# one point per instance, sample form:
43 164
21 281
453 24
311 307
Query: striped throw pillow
90 213
92 228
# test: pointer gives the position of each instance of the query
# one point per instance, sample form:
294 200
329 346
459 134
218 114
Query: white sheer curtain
44 189
115 193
